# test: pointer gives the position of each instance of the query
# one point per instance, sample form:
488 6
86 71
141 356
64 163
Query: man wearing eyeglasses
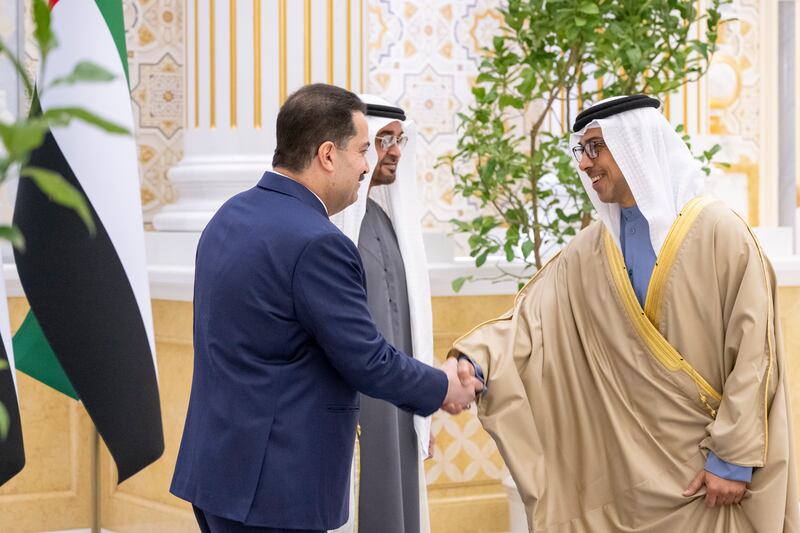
639 382
390 488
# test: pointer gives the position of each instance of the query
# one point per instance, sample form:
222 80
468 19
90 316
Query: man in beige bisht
640 384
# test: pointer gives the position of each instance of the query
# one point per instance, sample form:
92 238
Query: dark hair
312 115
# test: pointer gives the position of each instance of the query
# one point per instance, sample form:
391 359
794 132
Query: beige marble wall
54 491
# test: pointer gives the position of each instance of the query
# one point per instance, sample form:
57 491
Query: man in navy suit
284 340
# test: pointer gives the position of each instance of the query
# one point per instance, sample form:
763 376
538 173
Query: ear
326 154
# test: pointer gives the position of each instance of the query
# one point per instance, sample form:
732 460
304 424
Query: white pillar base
204 181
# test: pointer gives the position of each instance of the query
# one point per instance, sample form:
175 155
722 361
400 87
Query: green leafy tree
20 138
520 173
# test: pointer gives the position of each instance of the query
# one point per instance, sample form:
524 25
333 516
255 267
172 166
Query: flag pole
95 480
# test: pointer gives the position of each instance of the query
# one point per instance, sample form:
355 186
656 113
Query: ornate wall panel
154 33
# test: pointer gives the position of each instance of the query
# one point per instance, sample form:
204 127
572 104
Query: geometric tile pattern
424 55
154 36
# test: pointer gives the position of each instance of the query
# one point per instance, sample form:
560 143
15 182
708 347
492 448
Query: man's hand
719 491
466 371
460 393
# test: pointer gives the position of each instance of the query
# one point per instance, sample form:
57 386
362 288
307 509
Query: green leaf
458 283
42 32
509 249
580 22
5 422
634 55
85 71
479 93
14 236
498 43
589 9
61 192
22 137
63 115
481 259
527 248
507 100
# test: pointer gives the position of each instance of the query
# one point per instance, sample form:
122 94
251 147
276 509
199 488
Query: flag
90 330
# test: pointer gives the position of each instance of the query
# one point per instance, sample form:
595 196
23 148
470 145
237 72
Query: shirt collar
630 213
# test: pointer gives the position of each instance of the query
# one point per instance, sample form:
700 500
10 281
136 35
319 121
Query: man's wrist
726 470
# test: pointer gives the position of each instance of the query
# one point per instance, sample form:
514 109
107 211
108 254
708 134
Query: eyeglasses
590 149
388 140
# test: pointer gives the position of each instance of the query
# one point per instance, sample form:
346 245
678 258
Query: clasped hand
460 391
719 491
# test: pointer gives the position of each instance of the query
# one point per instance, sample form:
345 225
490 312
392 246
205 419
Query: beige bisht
604 411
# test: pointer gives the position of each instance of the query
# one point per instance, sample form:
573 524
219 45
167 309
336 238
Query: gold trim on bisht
657 345
669 252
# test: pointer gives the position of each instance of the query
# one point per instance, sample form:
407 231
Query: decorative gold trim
722 103
656 344
751 169
212 61
307 50
330 42
196 67
232 31
686 106
666 107
349 43
257 64
282 50
699 93
668 254
361 48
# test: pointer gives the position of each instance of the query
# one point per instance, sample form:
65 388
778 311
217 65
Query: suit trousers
210 523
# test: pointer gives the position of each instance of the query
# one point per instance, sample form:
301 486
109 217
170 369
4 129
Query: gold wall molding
232 37
257 64
349 45
307 41
282 51
196 66
212 65
330 41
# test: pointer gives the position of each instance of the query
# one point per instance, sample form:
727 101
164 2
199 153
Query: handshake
462 385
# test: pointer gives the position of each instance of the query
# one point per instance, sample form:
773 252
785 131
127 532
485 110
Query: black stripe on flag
12 453
78 289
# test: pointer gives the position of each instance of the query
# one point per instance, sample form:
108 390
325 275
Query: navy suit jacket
283 341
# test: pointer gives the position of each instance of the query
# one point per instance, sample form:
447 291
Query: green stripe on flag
112 13
34 356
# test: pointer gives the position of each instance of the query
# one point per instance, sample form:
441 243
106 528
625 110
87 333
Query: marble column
243 57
